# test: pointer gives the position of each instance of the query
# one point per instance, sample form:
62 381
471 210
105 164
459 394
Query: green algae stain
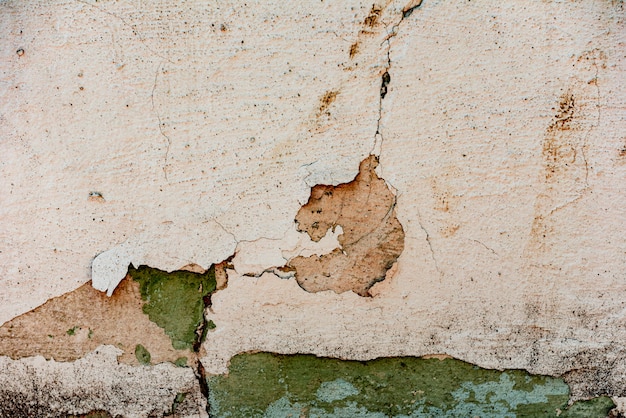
269 385
143 355
593 408
180 397
175 301
181 362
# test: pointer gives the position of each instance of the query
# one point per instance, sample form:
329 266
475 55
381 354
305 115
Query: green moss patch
175 301
268 385
181 362
142 354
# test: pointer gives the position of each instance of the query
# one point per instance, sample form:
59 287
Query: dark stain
386 79
565 112
354 49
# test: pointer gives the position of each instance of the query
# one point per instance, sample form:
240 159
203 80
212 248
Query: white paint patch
254 257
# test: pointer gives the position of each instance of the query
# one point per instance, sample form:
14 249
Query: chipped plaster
188 133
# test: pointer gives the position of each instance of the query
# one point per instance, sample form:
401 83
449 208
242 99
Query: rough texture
169 133
69 326
176 302
303 385
35 387
372 238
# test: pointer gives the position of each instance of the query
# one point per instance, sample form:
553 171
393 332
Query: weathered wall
173 133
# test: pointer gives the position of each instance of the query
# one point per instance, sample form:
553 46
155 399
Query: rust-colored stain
327 99
557 152
372 238
354 49
69 326
372 18
449 230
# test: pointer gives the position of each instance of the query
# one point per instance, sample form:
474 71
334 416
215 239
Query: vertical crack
386 77
167 138
204 385
585 140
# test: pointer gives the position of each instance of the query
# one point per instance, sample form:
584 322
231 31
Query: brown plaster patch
372 238
69 326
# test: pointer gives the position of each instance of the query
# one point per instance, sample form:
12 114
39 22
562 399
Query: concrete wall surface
350 179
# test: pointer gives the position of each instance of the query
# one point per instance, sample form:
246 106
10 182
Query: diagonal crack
430 244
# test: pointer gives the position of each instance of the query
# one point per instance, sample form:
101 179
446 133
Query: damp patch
305 385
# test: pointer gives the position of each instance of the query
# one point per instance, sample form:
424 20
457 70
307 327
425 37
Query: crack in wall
132 27
154 109
386 77
430 244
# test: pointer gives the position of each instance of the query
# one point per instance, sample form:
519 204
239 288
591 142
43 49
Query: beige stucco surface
176 132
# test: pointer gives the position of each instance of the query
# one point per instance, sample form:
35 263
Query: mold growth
305 385
372 238
176 301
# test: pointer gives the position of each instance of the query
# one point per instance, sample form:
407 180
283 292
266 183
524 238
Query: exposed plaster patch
93 319
372 238
155 249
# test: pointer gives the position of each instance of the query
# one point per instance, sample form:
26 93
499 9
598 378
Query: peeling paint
372 238
69 326
305 385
